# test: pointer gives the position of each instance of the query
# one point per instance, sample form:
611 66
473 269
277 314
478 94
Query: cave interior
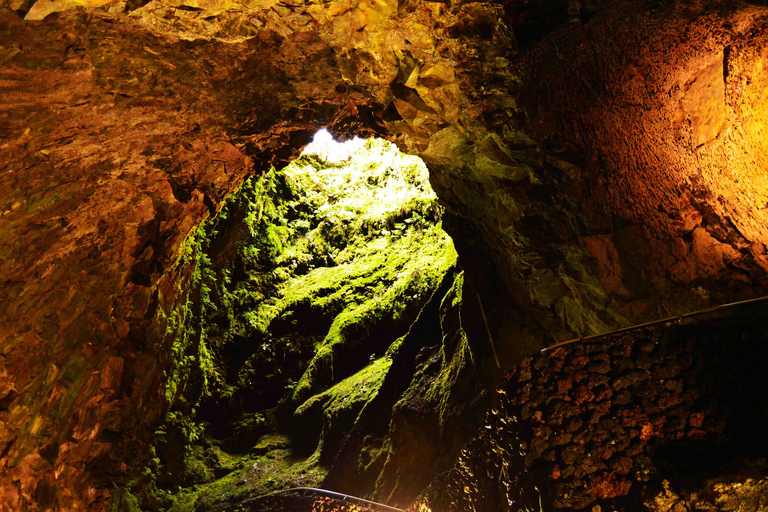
435 256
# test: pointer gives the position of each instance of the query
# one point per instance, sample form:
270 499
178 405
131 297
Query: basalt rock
565 435
600 164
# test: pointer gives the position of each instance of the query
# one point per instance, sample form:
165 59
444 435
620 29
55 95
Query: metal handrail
334 495
677 318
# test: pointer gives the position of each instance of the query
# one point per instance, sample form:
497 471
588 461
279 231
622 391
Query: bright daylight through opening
302 290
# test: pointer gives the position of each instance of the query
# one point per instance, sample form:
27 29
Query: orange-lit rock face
118 137
112 151
667 108
703 104
744 153
600 162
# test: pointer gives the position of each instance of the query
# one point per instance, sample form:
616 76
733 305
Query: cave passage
300 291
178 336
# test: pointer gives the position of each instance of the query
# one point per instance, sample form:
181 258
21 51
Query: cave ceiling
600 164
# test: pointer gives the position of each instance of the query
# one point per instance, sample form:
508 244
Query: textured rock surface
294 301
594 168
113 151
652 419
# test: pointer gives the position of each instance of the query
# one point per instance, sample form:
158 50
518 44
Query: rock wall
594 168
658 102
115 146
633 421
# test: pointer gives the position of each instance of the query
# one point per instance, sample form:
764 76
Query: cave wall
594 167
116 143
661 103
651 419
626 185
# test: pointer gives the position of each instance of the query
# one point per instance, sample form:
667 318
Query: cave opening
600 165
300 293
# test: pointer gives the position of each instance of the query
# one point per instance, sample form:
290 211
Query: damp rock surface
600 163
684 431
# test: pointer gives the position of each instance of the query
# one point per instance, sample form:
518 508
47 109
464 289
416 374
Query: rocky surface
293 303
113 152
594 167
665 418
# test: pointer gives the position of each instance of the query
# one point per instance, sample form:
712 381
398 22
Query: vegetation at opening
289 306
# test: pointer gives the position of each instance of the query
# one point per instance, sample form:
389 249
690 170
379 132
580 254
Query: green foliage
300 268
190 430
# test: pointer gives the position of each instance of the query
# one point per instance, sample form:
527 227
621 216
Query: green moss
255 475
455 295
456 359
445 386
268 443
124 501
332 413
385 280
282 299
373 454
184 500
359 388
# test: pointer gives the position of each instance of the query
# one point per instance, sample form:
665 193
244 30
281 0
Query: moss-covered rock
290 297
432 417
336 409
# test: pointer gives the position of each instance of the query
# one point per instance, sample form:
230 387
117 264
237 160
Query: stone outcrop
653 419
600 164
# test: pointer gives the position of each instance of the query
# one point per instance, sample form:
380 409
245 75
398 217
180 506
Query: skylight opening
329 149
362 180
